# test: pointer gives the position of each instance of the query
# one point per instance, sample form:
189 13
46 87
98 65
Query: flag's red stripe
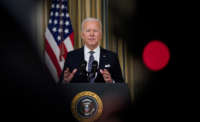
65 51
71 36
53 57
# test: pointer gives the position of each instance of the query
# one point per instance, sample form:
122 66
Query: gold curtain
81 9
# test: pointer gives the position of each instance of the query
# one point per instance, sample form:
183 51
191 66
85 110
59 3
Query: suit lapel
79 58
82 54
102 58
101 65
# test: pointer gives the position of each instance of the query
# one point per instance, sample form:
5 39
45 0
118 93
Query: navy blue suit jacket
76 57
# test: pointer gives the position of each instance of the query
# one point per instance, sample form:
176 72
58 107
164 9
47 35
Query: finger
74 71
69 77
67 70
107 74
66 74
106 71
105 79
108 78
101 71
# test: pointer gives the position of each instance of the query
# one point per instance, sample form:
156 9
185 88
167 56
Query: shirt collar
87 50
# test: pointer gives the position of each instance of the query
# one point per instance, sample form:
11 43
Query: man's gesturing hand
68 75
106 75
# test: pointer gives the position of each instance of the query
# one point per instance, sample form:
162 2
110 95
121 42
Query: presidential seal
86 106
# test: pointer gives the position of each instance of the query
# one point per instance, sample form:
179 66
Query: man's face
91 34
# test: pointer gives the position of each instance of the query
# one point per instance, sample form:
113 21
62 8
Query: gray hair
91 19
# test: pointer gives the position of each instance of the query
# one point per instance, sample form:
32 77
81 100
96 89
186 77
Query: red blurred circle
156 55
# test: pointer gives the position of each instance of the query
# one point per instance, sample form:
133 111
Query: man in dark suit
107 64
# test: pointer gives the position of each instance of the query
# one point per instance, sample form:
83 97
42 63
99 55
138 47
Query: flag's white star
59 38
51 13
50 21
52 6
62 15
67 15
56 14
61 22
55 22
60 30
54 29
57 6
67 23
62 6
66 31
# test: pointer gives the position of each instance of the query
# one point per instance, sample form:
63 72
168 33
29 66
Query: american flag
59 38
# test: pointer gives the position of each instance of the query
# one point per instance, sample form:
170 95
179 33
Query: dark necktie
91 59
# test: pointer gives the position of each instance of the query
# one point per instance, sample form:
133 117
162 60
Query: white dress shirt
87 55
96 56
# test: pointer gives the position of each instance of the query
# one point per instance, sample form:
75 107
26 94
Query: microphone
94 66
93 70
82 68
